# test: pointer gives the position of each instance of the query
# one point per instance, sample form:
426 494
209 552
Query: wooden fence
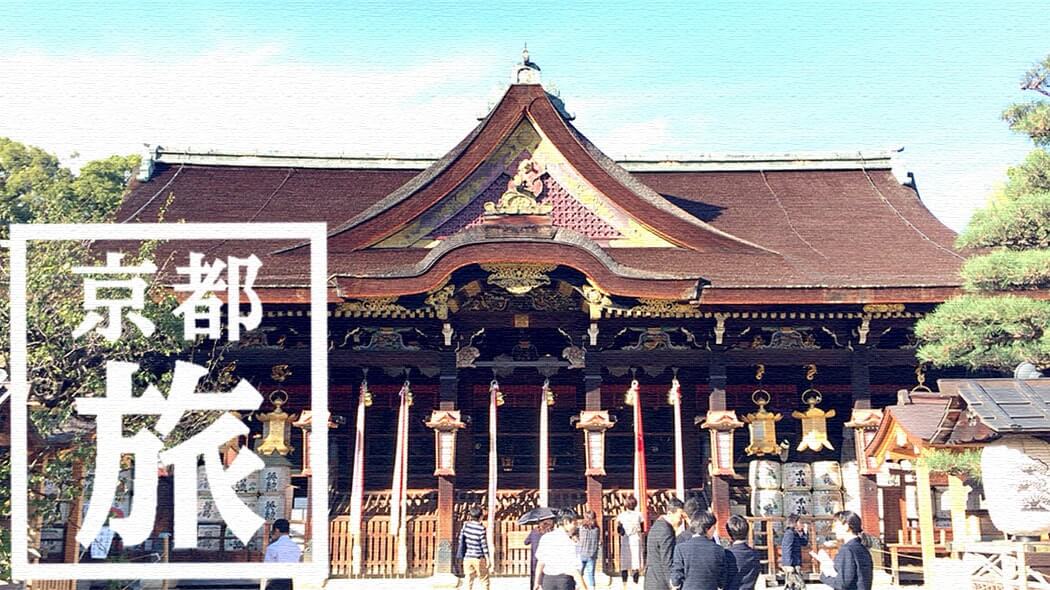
379 547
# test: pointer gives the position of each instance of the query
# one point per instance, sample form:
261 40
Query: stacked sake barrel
247 491
827 497
767 499
798 486
209 520
795 488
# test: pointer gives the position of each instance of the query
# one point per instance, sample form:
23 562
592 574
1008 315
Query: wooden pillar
76 506
868 489
592 384
924 498
448 390
717 401
694 469
958 492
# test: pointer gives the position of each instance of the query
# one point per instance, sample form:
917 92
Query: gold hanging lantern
814 423
762 426
277 428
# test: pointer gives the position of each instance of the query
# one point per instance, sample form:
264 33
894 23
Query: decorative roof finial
526 72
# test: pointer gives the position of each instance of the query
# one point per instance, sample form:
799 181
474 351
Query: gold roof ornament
277 427
280 373
518 279
522 194
920 379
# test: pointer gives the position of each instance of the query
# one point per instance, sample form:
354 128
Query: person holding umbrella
543 519
557 564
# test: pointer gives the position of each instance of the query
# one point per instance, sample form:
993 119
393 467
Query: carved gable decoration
526 181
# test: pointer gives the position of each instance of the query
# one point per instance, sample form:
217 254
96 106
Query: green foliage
1029 177
1017 224
1033 118
978 331
963 463
34 188
1008 270
30 179
987 328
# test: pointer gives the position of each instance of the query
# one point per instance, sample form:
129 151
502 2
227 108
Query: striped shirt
472 540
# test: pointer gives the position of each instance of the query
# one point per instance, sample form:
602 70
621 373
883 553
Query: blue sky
651 79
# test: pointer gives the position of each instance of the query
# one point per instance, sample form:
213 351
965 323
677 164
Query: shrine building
745 308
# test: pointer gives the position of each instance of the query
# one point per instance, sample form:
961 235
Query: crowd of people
682 551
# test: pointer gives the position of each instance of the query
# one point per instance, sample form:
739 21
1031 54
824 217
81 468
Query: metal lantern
594 424
814 423
721 424
445 424
277 428
762 426
865 424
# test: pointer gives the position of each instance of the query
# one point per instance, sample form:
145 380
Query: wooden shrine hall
606 313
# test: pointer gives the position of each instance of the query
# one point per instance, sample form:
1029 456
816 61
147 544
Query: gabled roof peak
526 71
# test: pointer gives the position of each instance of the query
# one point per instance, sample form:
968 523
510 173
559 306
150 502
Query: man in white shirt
281 550
557 564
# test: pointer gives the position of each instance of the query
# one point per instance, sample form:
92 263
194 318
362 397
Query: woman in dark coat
852 568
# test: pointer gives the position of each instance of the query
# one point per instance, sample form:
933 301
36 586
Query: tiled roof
1005 405
808 229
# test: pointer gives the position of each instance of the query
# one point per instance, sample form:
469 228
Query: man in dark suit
659 546
700 563
693 507
852 569
746 560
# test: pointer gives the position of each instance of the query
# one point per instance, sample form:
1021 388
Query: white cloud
257 99
229 97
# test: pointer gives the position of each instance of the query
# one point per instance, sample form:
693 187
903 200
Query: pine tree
1003 319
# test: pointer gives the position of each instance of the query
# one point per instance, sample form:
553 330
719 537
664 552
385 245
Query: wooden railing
379 547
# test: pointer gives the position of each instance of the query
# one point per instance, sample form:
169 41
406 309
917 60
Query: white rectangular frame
316 233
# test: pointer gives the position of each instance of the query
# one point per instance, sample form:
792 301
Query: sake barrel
822 532
800 503
797 477
767 503
826 503
271 507
764 475
207 511
827 475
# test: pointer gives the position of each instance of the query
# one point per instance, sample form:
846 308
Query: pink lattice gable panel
568 212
